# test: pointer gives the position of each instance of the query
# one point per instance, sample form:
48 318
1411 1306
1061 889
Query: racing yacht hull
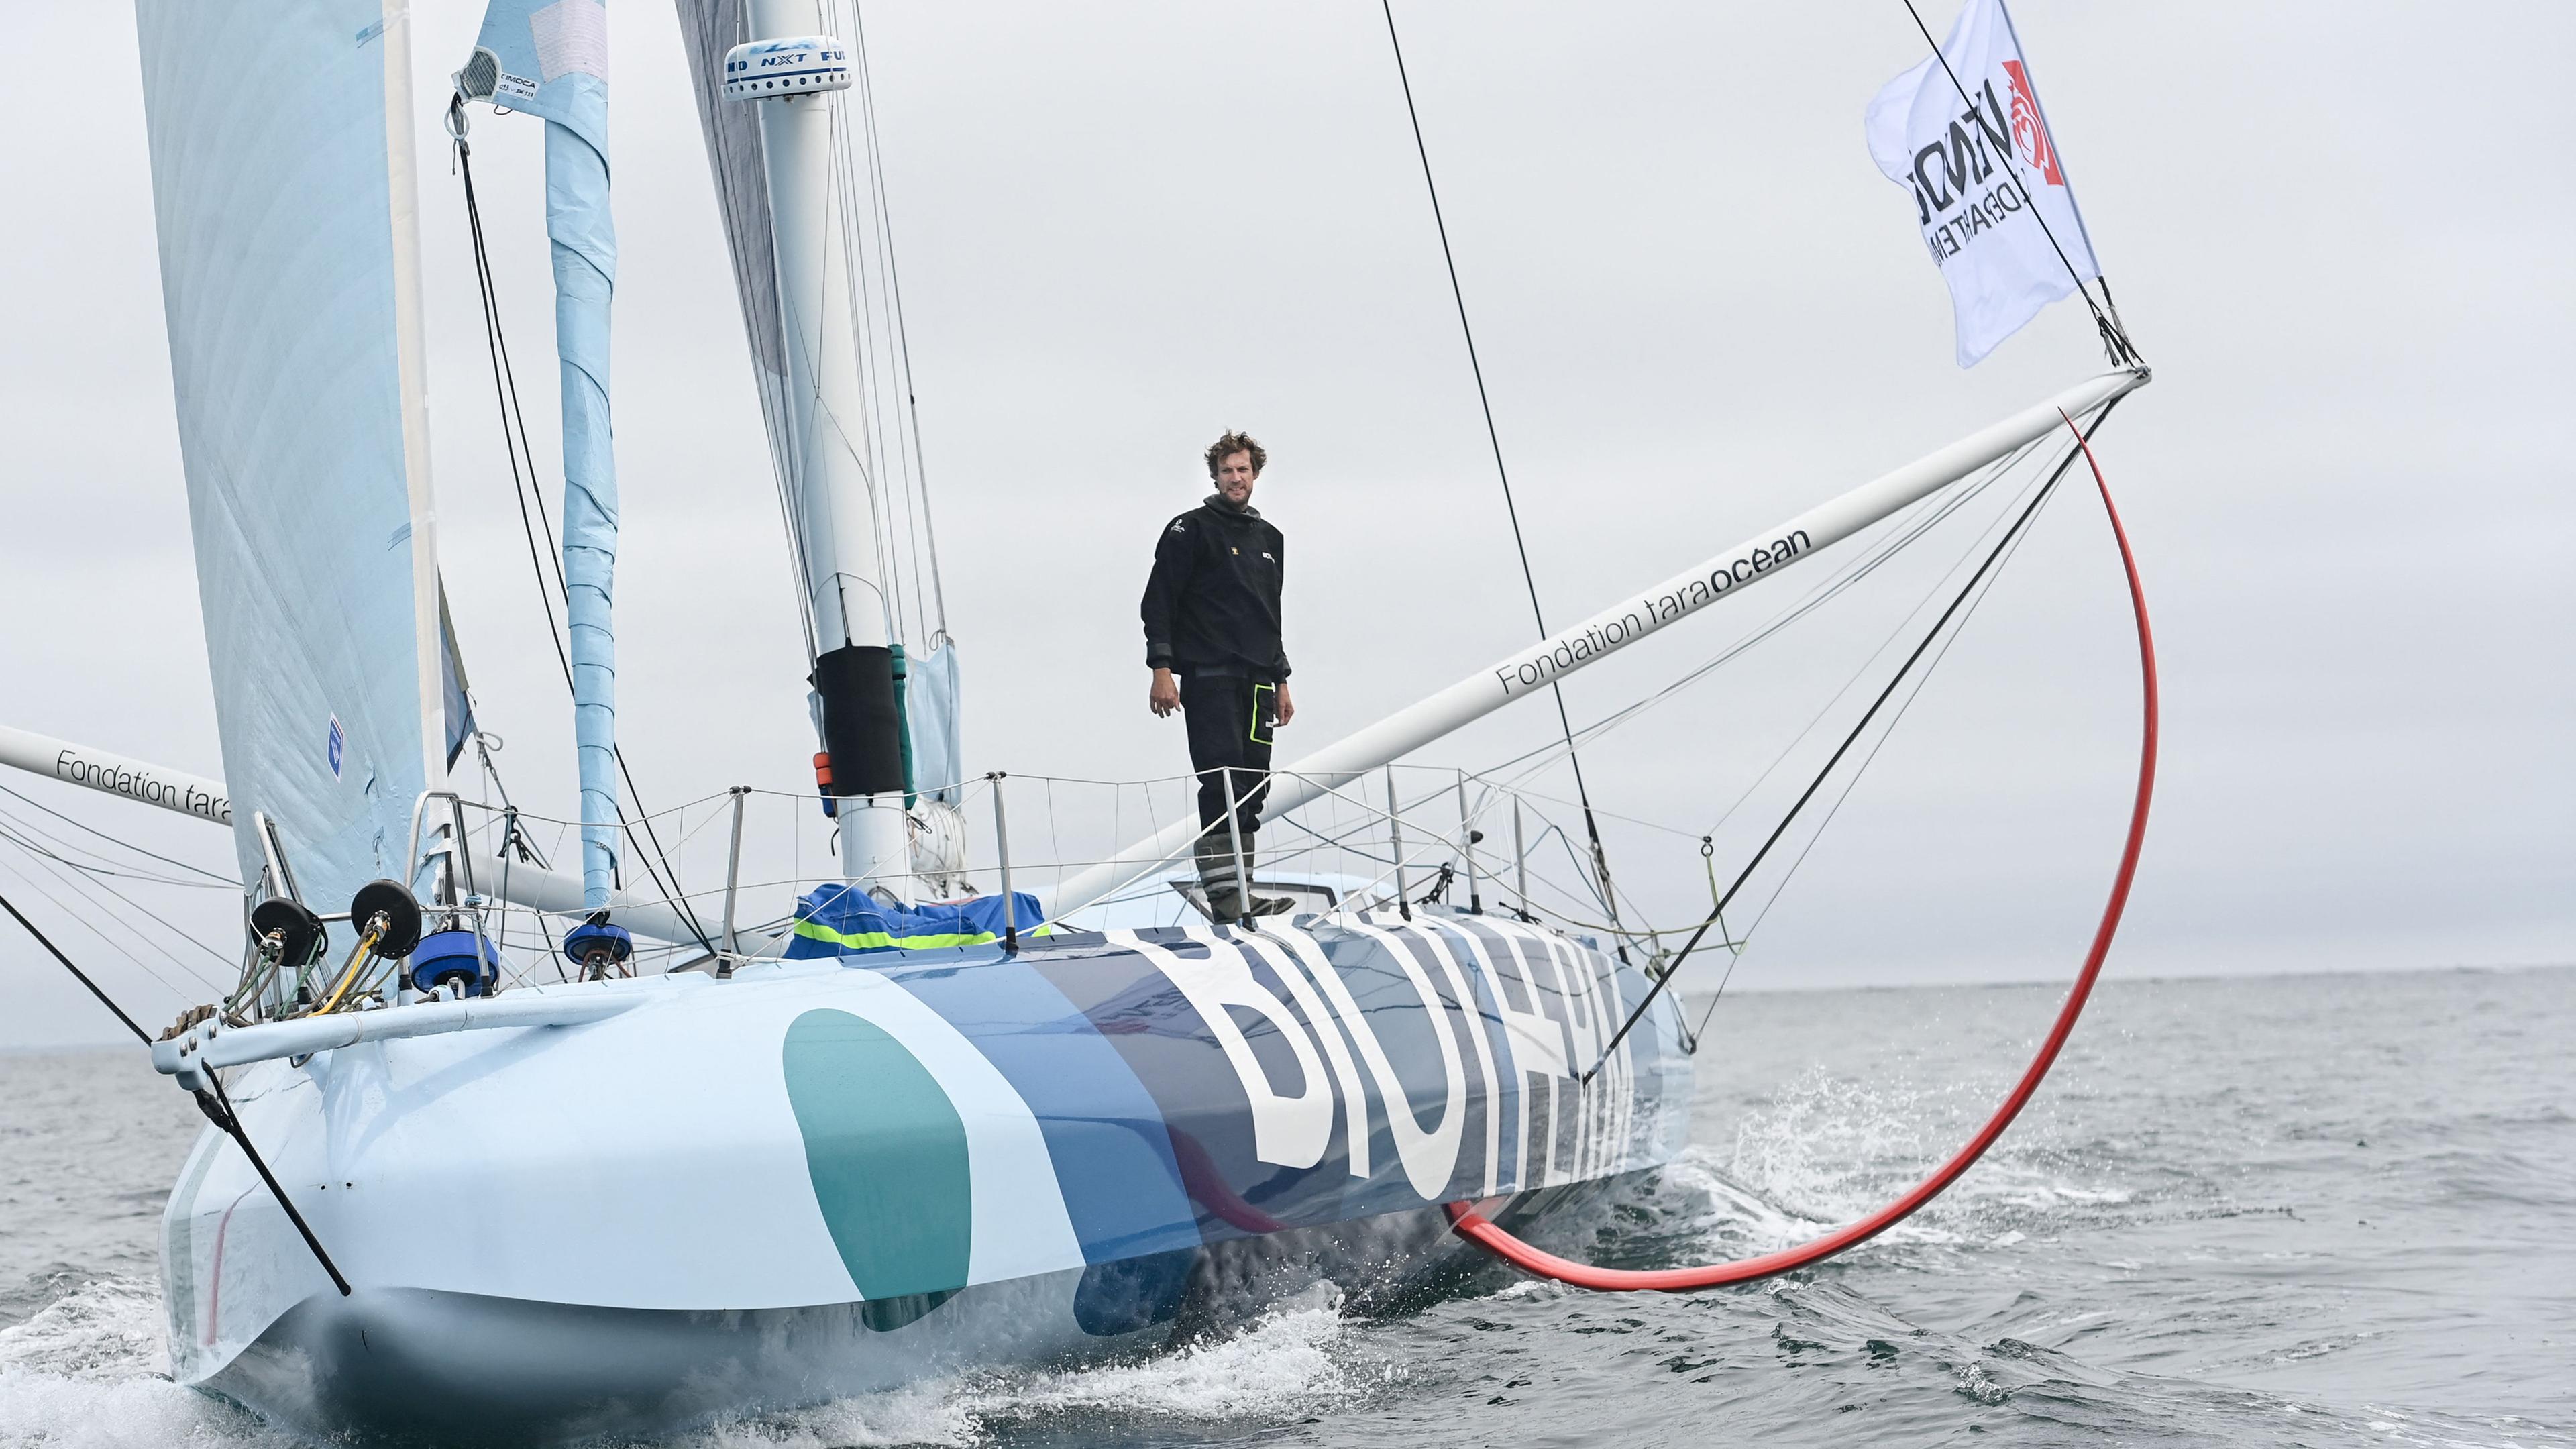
836 1176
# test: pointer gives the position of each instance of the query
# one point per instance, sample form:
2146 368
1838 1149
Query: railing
714 883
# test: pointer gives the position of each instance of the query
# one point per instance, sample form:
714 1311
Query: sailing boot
1217 878
1265 905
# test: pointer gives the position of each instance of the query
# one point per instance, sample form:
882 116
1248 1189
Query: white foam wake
1296 1359
88 1371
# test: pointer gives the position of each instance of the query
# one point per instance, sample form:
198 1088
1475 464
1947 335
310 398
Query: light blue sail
551 60
290 280
930 722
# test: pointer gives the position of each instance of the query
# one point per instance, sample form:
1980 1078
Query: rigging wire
10 826
88 886
1472 1224
869 451
1739 944
1851 574
894 306
78 974
883 373
217 1107
1493 436
1895 631
506 386
2115 339
81 915
121 844
2019 524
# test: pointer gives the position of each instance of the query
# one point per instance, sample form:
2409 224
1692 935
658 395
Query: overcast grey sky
2340 232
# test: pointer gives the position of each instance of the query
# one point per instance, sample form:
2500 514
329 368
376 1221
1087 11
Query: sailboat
904 1128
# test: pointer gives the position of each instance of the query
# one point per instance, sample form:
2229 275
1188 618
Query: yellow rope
366 948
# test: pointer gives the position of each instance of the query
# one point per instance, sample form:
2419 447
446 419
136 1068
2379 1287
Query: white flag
1984 173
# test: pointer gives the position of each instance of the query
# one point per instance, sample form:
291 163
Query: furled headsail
290 276
549 58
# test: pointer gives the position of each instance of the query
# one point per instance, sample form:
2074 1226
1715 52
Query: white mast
793 74
1525 671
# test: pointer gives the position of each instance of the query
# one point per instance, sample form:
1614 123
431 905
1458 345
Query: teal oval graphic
887 1154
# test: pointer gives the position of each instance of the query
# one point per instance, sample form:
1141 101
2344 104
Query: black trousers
1229 719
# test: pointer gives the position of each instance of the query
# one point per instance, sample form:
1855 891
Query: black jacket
1212 605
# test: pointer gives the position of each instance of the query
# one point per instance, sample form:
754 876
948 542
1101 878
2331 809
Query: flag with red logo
1970 145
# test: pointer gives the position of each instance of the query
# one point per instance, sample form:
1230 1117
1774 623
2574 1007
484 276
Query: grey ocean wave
2293 1211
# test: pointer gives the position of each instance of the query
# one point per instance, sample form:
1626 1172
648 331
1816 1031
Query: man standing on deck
1211 615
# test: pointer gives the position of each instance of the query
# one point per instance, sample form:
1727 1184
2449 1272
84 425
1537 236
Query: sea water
2306 1210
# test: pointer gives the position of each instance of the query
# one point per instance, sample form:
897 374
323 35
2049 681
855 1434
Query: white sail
281 150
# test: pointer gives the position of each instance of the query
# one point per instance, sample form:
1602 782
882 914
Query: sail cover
290 281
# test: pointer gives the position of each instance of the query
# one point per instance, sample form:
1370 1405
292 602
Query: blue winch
457 956
598 948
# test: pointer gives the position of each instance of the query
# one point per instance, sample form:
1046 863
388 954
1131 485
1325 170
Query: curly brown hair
1234 442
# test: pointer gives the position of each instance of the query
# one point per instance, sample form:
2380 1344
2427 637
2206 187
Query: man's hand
1287 707
1166 695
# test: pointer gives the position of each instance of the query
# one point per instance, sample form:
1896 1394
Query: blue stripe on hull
1113 1158
1475 1030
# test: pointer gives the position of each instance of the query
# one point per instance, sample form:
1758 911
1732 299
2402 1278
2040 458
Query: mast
1529 670
792 74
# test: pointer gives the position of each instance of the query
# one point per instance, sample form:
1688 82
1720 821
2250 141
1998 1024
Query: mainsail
290 277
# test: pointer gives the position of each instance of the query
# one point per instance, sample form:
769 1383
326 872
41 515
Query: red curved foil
1478 1229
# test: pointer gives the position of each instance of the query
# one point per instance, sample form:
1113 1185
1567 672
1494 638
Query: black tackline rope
1854 783
1600 858
1966 591
78 974
217 1107
219 1110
